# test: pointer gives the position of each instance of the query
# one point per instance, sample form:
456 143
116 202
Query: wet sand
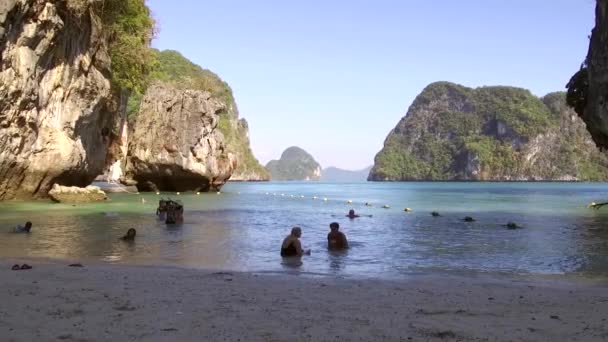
54 302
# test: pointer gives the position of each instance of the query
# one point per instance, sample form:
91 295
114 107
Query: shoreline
161 303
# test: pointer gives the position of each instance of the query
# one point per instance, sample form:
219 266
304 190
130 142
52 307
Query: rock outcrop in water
176 144
177 71
73 194
453 132
295 164
588 89
57 110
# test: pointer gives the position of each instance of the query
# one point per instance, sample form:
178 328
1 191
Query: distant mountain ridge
334 174
295 164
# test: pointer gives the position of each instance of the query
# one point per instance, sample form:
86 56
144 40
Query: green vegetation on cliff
453 132
130 28
295 164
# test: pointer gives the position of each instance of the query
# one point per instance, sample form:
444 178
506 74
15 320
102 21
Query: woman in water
291 246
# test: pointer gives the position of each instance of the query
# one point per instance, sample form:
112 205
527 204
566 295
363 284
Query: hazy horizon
335 77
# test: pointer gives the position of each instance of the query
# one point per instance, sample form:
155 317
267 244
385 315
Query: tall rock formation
57 110
453 132
176 144
295 164
588 89
178 71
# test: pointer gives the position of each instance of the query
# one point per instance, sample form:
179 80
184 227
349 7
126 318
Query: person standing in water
336 240
291 246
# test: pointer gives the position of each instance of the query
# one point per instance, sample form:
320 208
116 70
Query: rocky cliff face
492 133
295 164
57 111
176 144
588 89
177 70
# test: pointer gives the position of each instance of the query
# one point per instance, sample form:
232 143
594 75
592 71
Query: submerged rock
176 144
57 110
74 194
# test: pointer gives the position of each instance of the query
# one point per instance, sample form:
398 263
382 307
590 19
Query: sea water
242 227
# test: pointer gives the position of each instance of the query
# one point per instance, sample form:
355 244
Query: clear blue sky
334 77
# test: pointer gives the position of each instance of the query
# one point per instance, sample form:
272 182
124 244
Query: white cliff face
176 144
57 111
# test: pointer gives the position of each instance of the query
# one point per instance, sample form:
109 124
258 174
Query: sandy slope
53 302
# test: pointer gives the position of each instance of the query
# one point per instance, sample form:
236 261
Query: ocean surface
242 228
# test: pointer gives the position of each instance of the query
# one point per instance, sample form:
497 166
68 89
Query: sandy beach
143 303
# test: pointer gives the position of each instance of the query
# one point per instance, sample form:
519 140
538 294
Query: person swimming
351 214
336 240
23 229
291 246
130 236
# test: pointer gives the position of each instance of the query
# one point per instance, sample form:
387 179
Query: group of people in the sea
170 211
336 240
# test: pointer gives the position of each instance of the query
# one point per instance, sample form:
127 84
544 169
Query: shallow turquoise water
242 228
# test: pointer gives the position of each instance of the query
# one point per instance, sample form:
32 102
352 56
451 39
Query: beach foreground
116 303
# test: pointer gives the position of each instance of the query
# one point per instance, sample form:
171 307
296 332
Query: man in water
351 214
336 240
291 246
24 229
130 236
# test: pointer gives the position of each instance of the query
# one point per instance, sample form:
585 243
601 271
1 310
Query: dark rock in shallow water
435 214
468 219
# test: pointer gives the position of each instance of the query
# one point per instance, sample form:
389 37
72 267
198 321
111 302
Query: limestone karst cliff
453 132
588 89
294 164
181 73
57 107
176 144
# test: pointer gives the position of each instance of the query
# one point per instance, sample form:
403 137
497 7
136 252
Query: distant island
294 164
334 174
452 132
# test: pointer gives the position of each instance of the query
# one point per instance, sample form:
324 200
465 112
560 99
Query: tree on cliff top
130 28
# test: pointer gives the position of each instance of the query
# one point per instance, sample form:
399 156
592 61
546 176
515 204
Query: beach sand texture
54 302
